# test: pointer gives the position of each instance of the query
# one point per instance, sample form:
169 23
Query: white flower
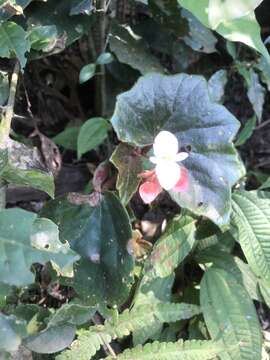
166 157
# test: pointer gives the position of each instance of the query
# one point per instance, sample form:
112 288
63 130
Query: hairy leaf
181 105
89 341
235 266
251 217
180 350
230 314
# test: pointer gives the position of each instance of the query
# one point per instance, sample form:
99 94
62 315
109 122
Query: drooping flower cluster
168 174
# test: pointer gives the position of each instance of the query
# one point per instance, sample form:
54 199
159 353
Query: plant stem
101 80
7 118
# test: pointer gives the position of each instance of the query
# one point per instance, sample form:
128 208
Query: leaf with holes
181 105
100 234
230 314
251 217
25 240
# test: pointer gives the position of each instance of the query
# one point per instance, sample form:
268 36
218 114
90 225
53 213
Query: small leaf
87 72
230 314
100 234
130 49
23 243
104 58
256 94
217 84
181 104
251 217
68 138
129 165
92 133
246 132
13 42
75 314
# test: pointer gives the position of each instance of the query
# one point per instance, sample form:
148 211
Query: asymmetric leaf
181 104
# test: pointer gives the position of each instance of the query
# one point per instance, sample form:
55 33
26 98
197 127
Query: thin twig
106 346
7 118
262 125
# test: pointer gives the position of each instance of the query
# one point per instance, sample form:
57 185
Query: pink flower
168 174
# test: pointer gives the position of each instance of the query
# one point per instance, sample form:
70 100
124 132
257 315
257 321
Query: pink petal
182 184
149 190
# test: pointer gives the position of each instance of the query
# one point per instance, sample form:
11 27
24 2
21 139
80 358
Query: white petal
153 159
168 174
181 156
165 144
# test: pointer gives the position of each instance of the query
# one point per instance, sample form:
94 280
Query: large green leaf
130 49
23 241
171 249
24 166
235 266
251 217
129 165
181 105
230 314
244 29
100 234
13 41
11 332
220 11
57 13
